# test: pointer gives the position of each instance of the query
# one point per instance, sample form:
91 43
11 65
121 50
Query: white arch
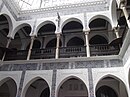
30 82
101 17
43 24
12 88
114 77
9 22
19 27
65 79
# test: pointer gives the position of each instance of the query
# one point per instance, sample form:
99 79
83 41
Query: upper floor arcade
79 35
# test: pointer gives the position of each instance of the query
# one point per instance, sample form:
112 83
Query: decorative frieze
90 78
53 87
63 65
21 84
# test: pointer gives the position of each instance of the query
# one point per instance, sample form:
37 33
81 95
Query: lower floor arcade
64 83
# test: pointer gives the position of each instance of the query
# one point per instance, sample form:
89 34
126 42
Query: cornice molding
51 11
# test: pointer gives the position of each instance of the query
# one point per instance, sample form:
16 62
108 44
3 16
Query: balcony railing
102 50
48 53
64 52
67 52
16 55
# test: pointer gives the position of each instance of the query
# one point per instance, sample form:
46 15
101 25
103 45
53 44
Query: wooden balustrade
101 50
67 52
43 53
16 55
64 52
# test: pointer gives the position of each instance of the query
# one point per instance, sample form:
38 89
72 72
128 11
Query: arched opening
45 93
17 47
38 88
97 39
47 29
45 33
106 91
21 38
72 39
73 87
4 30
8 88
36 45
100 27
111 87
75 42
98 23
102 41
72 26
52 43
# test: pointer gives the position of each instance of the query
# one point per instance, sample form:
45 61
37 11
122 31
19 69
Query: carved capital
58 34
86 32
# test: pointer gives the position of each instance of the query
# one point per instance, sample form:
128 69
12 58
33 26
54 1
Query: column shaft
7 46
116 32
30 48
57 46
87 43
125 13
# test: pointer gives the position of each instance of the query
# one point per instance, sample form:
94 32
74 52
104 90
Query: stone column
7 46
116 32
30 48
87 42
122 5
57 45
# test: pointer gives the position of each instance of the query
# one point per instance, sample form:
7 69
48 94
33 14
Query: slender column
116 32
87 42
57 46
7 46
125 13
30 48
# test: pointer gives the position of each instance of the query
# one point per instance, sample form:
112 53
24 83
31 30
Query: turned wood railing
67 52
16 55
64 52
102 50
43 53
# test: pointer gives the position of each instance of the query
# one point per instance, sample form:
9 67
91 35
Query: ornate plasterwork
100 5
63 65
